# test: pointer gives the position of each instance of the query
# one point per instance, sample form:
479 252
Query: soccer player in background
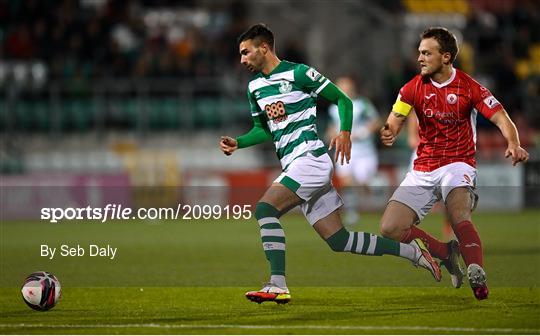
282 99
355 176
446 101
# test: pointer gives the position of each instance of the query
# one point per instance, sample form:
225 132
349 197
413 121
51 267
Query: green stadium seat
152 108
207 113
166 113
171 112
163 113
77 114
41 116
23 118
3 115
122 112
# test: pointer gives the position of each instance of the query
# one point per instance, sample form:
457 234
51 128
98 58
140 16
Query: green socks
272 236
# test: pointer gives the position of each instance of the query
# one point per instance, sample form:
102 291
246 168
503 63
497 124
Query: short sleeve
483 100
405 100
309 79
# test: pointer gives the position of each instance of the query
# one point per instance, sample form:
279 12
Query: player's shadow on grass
56 312
16 313
395 306
258 312
511 251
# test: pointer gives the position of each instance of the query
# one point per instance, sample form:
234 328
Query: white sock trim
269 246
359 242
372 244
349 242
408 251
272 232
268 220
279 280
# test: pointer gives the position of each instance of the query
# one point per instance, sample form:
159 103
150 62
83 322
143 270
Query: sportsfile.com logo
119 212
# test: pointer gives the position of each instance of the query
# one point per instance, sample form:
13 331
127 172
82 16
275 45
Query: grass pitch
188 277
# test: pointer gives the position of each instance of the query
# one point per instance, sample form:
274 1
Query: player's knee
390 229
458 216
459 204
263 210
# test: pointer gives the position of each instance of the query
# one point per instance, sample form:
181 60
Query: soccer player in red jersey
413 139
446 101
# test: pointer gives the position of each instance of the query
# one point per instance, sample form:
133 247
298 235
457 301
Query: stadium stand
92 67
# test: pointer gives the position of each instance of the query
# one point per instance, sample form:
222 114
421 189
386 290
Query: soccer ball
41 291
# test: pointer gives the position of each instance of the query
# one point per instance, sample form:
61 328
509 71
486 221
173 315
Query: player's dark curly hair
445 38
258 33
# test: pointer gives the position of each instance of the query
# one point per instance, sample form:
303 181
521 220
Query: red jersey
446 117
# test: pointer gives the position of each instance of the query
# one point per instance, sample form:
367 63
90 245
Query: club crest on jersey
451 98
285 87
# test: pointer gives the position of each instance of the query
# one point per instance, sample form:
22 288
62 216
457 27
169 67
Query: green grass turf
195 273
342 310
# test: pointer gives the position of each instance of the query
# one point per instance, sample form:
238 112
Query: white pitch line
243 326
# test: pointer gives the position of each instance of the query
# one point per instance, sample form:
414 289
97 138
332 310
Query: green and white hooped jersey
286 100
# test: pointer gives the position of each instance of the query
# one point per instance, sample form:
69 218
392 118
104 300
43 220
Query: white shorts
310 178
420 190
361 168
414 156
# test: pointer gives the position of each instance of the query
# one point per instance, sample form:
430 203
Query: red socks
470 246
437 248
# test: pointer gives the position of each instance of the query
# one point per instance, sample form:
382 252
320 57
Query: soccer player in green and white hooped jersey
356 176
282 98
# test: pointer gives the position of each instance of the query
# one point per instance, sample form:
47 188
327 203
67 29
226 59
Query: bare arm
510 133
374 125
391 129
